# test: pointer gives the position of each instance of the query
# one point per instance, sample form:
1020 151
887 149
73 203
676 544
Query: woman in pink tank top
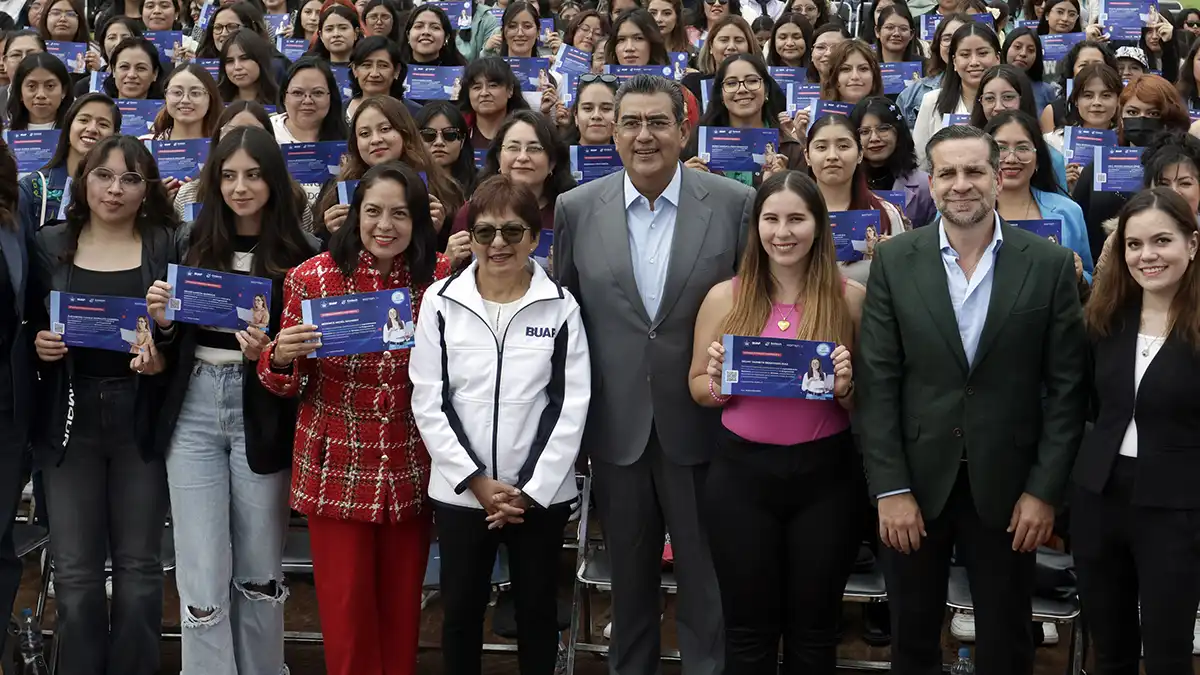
782 499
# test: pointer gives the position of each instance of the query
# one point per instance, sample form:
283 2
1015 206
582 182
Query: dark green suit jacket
1016 414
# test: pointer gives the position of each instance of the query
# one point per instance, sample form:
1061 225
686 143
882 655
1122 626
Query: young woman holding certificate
95 445
889 158
783 493
361 468
229 481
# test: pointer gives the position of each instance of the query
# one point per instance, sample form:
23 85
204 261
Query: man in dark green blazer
971 408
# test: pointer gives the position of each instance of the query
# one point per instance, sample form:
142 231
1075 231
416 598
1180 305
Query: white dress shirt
751 9
970 297
651 231
1151 343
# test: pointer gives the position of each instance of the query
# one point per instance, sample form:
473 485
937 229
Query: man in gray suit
640 249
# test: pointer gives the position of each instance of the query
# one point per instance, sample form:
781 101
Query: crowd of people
991 391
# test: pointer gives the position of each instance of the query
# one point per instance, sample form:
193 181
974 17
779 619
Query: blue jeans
230 525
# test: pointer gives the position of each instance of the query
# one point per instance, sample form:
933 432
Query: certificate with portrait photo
361 323
855 234
218 299
107 322
777 368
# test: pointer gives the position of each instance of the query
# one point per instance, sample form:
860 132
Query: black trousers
783 525
1001 590
1125 552
468 550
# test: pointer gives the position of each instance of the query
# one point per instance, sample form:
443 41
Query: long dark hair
18 114
1043 177
132 25
559 180
700 21
1187 76
717 114
947 101
1167 148
935 65
463 169
259 50
281 243
155 92
861 197
448 56
1044 23
163 122
1036 70
492 69
1017 79
363 50
903 159
333 127
573 27
645 23
912 52
1067 70
571 135
510 13
63 148
806 29
155 212
318 47
421 255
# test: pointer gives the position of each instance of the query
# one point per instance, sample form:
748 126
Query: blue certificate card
206 14
929 24
589 162
785 75
568 84
313 162
1047 229
433 83
623 73
852 230
361 323
894 197
545 30
100 321
459 13
1079 144
530 72
32 149
280 24
955 119
897 76
823 108
70 53
679 61
1124 19
341 74
180 159
166 41
706 86
570 60
777 368
1117 170
137 115
346 190
802 97
213 66
292 48
730 149
480 155
1055 47
220 299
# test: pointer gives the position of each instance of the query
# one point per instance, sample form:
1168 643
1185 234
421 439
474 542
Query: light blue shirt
651 231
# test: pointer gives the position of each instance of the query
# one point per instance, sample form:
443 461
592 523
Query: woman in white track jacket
501 383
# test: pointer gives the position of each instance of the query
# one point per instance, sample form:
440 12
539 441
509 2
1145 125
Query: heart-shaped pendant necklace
783 323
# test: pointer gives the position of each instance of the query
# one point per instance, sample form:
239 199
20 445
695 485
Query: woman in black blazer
1136 504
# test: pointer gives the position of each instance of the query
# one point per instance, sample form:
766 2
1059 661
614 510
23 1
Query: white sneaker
962 626
1049 634
1196 638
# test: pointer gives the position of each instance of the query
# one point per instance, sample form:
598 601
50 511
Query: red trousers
369 580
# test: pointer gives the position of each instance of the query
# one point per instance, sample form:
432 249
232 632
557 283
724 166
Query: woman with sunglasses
890 158
910 99
533 426
711 11
443 130
974 48
95 446
586 30
376 69
593 115
790 42
492 93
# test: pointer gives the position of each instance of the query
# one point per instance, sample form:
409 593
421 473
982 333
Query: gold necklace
783 323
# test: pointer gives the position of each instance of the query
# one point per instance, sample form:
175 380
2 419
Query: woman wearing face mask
834 155
247 72
91 119
853 73
743 100
444 133
338 31
585 30
1093 105
973 49
668 15
1030 191
825 38
368 519
890 159
384 131
430 40
896 31
594 114
310 104
1082 54
41 94
910 99
524 497
1023 49
711 11
134 71
790 41
1148 105
193 105
229 482
377 69
492 93
96 445
98 57
1132 531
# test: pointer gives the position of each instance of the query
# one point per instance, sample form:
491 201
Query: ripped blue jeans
230 525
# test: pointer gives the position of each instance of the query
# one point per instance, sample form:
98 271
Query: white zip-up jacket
511 406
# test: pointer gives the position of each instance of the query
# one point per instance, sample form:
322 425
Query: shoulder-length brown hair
163 123
1116 291
838 57
825 314
1155 91
677 39
705 60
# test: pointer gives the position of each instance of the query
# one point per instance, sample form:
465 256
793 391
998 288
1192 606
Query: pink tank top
783 421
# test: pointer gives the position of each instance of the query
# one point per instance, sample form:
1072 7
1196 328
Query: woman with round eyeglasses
96 444
825 38
890 159
730 36
1030 190
64 21
382 19
910 99
1006 87
193 105
711 12
310 105
896 33
586 30
444 132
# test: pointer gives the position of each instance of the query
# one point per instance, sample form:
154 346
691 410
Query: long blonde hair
824 313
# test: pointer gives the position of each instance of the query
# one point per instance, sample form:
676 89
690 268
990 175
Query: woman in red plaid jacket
360 469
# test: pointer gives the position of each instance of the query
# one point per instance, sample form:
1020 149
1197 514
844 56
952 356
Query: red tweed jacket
358 455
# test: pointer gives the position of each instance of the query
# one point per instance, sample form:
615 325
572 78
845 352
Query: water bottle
30 642
963 666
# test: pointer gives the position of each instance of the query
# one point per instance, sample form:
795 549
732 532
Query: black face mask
1139 130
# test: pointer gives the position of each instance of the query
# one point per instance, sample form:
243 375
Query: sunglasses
512 233
449 135
588 78
716 2
1192 24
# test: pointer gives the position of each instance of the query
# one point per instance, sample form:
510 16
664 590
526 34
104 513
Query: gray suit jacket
640 363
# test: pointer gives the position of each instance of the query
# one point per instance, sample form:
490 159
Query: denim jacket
910 99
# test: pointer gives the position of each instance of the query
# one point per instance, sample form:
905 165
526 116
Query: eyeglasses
530 149
130 180
1024 152
1007 98
449 134
223 28
752 83
633 127
62 14
881 131
588 78
176 94
315 94
379 18
897 30
586 30
512 233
